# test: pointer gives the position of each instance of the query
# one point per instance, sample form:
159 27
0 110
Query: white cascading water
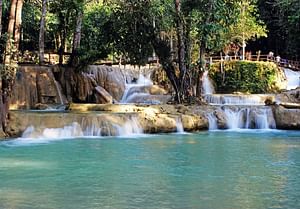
232 99
136 89
212 121
293 78
129 128
179 125
244 118
207 86
250 118
58 88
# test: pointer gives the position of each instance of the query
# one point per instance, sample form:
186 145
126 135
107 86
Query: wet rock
35 84
102 96
286 118
194 122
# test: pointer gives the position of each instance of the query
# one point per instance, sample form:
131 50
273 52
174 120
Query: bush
247 76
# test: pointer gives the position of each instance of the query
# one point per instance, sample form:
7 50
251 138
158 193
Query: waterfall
207 86
293 78
250 118
87 128
58 88
179 126
137 88
212 121
232 99
234 118
130 127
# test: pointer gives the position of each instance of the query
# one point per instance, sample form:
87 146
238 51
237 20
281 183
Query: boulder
288 119
194 122
102 96
35 84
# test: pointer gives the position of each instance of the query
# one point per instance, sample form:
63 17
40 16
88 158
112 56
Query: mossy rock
247 77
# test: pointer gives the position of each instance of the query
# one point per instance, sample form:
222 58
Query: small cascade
130 127
232 99
293 78
58 89
207 86
249 118
212 121
72 130
87 128
137 88
234 118
179 126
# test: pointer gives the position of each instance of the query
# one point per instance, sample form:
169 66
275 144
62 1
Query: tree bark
10 31
18 22
76 38
181 47
42 33
1 7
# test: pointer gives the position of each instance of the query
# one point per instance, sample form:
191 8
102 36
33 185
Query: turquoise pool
205 170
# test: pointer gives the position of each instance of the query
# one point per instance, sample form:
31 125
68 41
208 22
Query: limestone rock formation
286 118
81 86
102 96
35 84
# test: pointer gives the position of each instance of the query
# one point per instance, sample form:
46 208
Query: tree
8 69
42 32
77 33
10 31
18 22
1 9
247 27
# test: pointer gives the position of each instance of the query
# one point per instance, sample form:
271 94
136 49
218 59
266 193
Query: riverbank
120 119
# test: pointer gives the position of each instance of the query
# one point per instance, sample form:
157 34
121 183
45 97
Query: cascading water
207 86
179 125
249 118
232 99
87 128
293 78
58 88
137 88
212 121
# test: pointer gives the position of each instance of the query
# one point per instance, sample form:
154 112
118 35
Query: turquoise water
206 170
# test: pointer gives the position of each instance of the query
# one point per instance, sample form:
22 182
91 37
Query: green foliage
7 72
31 26
282 18
244 76
96 42
131 22
247 26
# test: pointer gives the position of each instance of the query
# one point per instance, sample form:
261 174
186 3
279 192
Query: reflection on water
205 170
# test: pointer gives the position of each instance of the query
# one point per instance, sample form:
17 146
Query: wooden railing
292 64
52 58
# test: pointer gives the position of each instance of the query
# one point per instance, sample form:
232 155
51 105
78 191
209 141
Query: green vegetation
246 76
181 33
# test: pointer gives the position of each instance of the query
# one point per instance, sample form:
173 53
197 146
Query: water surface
206 170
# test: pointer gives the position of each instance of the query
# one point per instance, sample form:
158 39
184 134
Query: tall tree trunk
77 38
1 7
10 31
18 22
181 47
7 80
42 33
201 67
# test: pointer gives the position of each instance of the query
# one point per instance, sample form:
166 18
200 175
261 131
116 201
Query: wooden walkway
293 65
52 58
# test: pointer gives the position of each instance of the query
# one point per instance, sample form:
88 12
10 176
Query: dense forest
180 33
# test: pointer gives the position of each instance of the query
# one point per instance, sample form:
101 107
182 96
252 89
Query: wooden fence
294 65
